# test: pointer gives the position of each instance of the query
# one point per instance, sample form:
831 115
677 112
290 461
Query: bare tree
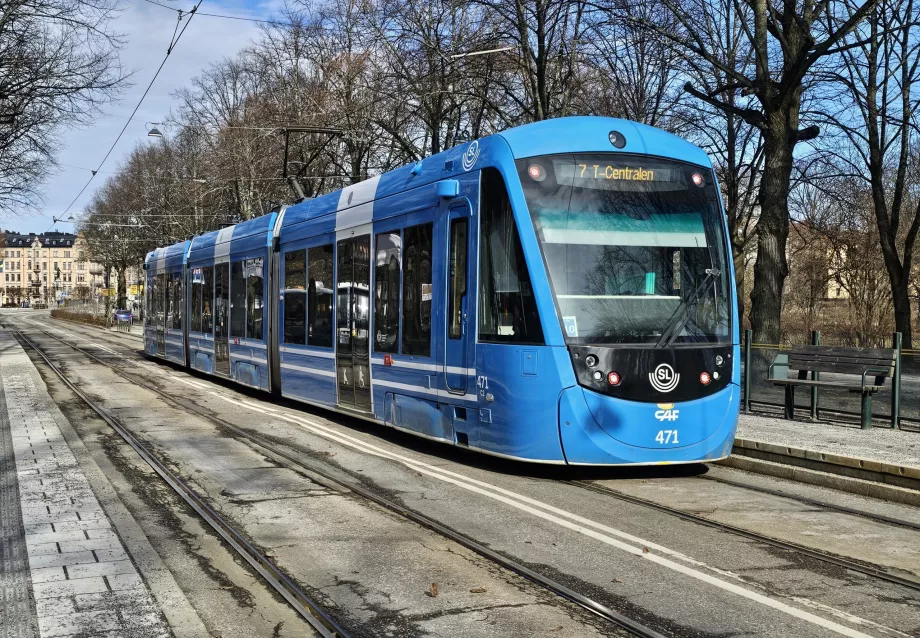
58 67
546 35
787 41
880 69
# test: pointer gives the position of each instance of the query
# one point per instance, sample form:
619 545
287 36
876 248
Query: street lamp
153 131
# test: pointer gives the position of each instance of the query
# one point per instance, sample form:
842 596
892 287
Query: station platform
879 462
65 569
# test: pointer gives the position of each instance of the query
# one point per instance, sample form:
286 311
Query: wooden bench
871 365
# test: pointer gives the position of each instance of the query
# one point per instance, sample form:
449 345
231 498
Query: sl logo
667 412
664 379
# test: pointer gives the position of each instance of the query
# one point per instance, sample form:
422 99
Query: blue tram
561 292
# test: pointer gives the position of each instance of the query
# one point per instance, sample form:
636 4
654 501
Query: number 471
666 436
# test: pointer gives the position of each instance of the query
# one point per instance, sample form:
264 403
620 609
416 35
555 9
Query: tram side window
457 282
320 296
254 296
507 308
177 300
417 291
295 297
195 296
386 299
207 294
237 300
164 294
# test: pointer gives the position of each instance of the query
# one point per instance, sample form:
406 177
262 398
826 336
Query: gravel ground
877 444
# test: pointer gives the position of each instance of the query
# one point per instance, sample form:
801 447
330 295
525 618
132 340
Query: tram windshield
634 247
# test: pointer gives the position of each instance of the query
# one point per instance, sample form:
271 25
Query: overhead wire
225 16
172 45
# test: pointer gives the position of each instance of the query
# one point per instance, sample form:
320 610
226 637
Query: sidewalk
65 571
880 462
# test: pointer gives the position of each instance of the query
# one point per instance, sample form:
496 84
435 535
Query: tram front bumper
601 430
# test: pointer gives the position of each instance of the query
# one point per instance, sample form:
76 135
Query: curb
862 487
855 467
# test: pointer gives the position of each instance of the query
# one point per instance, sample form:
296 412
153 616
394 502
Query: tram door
162 298
352 323
222 319
458 299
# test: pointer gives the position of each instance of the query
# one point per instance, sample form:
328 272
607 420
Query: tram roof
581 134
167 257
256 227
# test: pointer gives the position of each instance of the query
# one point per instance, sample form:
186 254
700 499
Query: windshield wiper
679 319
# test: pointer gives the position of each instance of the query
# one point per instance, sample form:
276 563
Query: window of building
417 291
507 308
67 254
295 297
386 298
55 253
252 271
319 296
237 300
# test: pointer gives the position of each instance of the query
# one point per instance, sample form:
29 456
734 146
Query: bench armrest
877 371
770 370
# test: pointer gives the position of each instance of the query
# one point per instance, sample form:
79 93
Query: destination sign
583 173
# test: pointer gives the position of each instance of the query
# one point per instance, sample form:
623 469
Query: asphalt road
376 569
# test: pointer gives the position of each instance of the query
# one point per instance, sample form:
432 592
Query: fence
898 404
123 323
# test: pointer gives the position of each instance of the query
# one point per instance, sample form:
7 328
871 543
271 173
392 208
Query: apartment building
49 268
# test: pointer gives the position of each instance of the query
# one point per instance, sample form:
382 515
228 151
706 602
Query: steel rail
840 561
594 607
890 520
309 609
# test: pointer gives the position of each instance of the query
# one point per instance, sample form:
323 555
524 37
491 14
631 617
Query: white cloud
147 29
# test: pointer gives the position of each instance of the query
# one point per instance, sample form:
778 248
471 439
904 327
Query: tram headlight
705 378
598 375
697 179
537 173
613 378
719 360
591 361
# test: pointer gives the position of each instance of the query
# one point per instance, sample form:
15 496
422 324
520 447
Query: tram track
827 557
879 518
309 609
283 451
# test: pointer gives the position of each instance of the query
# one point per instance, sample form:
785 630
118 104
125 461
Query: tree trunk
900 293
771 267
122 289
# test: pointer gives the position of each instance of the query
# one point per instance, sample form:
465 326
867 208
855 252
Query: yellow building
48 268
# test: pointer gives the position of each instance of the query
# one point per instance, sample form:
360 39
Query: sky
147 29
